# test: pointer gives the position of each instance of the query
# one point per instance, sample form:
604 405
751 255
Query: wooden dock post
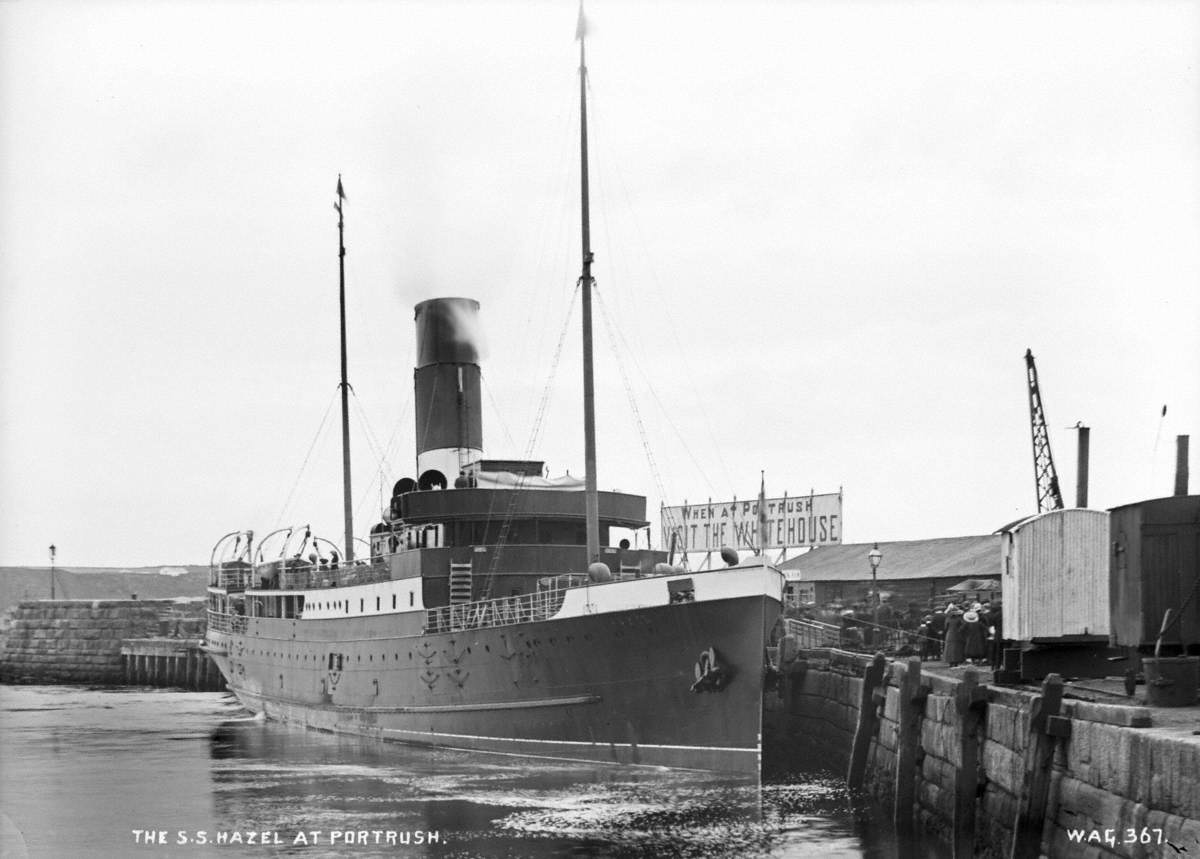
913 696
970 700
868 721
1045 725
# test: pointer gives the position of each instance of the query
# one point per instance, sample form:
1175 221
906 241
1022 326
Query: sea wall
79 641
995 771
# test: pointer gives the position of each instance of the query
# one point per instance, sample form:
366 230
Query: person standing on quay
995 619
937 629
954 635
974 637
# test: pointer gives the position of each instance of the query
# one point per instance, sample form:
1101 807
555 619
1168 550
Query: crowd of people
957 633
973 635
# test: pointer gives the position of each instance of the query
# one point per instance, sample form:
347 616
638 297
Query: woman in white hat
974 637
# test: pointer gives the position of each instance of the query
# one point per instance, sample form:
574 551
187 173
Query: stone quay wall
79 641
1113 780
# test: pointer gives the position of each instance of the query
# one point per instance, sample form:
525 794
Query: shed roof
945 557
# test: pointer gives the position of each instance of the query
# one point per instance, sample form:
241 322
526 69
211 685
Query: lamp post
52 551
875 556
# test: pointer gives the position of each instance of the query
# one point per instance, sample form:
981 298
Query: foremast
345 386
592 508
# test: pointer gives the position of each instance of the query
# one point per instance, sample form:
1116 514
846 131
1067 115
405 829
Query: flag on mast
581 25
762 514
341 194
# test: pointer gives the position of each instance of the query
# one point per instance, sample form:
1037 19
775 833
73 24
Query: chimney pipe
1181 465
1081 466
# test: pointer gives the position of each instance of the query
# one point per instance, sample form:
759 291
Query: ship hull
615 687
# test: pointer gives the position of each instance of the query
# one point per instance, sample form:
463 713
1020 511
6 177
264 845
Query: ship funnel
447 390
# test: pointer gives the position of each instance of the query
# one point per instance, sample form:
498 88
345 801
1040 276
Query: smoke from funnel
448 332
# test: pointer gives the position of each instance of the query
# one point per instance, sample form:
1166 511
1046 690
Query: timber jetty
108 643
995 771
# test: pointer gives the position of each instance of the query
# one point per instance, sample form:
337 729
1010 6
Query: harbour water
157 773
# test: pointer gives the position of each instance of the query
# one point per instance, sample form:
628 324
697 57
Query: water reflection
83 770
491 805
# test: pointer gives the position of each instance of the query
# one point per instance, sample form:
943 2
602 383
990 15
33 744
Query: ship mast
345 386
585 280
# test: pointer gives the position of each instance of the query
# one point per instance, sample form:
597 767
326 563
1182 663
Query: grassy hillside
31 583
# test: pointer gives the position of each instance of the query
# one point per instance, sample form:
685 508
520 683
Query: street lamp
875 556
53 550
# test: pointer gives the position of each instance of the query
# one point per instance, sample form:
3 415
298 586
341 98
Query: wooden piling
1045 726
970 700
913 696
868 721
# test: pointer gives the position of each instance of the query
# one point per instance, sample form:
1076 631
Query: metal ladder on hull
460 583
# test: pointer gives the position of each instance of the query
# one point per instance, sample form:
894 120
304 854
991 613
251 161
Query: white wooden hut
1055 577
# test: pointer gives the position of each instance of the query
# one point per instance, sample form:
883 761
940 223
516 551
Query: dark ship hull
616 689
622 685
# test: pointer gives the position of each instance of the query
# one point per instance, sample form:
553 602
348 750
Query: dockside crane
1048 494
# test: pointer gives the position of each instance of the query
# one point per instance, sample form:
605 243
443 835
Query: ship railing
218 621
505 611
233 580
223 622
304 576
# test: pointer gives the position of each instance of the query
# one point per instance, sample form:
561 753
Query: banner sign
791 523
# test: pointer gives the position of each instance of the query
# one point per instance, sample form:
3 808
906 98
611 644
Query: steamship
491 612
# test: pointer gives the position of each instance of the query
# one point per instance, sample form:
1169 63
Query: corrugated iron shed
945 557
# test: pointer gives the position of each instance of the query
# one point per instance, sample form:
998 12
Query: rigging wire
655 474
372 441
672 325
499 417
539 417
534 434
392 440
381 458
555 188
304 465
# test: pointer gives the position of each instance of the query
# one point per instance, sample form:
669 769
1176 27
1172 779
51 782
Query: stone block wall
1143 784
77 641
811 720
1113 774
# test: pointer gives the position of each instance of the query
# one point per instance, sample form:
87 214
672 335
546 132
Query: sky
825 235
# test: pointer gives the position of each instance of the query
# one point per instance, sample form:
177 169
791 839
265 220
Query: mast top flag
581 25
763 526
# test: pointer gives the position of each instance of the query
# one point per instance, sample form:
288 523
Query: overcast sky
825 235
